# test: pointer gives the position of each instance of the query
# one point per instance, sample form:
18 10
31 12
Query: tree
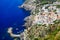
36 39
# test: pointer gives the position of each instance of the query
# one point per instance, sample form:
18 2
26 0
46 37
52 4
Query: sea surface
11 16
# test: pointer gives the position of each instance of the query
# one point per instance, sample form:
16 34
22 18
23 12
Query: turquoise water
11 16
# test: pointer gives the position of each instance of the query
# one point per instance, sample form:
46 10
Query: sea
12 16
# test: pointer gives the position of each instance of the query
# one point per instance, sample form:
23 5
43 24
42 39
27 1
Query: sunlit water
11 16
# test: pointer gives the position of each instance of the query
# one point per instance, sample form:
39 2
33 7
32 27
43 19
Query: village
43 21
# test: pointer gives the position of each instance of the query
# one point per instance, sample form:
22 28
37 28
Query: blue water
11 16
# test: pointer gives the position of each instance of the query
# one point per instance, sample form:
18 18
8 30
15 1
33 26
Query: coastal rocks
22 36
29 21
28 5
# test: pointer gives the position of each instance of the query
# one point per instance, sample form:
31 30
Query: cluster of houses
48 13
